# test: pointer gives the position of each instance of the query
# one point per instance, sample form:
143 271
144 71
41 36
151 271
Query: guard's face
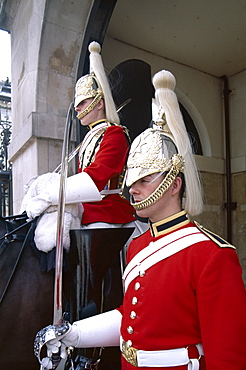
167 205
93 116
142 189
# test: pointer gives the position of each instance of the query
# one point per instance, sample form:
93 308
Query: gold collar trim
93 124
169 224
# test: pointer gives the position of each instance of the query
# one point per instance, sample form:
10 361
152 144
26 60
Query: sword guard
48 333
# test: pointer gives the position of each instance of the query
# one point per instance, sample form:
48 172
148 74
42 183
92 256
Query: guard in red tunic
184 304
103 152
102 156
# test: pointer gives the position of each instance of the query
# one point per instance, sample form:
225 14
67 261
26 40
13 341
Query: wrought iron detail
5 138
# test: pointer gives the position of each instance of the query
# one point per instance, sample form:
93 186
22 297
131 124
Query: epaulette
222 243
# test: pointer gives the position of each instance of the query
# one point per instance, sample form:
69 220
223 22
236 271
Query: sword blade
57 313
123 104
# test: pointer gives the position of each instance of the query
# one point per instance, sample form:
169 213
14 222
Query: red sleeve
222 311
110 158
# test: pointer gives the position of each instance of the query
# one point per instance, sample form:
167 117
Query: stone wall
214 215
46 38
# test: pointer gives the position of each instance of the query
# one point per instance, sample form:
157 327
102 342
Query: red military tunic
194 296
108 154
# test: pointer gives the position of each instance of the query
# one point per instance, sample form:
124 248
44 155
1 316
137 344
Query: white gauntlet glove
70 339
101 330
80 188
57 339
97 331
60 345
37 205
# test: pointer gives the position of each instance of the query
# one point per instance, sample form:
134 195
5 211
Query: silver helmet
95 85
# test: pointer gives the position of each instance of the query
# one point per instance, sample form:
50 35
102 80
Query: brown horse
26 296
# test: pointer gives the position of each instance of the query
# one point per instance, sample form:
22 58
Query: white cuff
102 330
79 188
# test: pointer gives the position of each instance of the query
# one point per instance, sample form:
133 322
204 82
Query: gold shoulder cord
222 243
87 155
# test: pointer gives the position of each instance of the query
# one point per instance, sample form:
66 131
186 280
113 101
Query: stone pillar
46 42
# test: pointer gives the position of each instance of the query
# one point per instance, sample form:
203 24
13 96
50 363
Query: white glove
35 199
46 229
80 188
69 339
101 330
37 205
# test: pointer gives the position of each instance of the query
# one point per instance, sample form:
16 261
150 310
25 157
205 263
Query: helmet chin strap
90 107
177 167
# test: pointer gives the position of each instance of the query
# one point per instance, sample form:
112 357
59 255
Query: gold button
130 330
134 300
137 286
133 315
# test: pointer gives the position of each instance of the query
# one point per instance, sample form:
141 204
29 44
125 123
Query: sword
57 362
63 169
57 314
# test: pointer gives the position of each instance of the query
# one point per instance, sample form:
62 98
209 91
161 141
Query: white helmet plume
164 83
96 67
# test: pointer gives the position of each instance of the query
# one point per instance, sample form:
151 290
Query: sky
5 56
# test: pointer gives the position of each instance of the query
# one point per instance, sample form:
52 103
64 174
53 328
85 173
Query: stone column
46 42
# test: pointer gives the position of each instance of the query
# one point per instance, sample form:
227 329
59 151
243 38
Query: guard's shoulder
139 235
114 127
222 243
136 236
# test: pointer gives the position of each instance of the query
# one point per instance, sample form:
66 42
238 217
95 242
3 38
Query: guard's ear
101 104
176 185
